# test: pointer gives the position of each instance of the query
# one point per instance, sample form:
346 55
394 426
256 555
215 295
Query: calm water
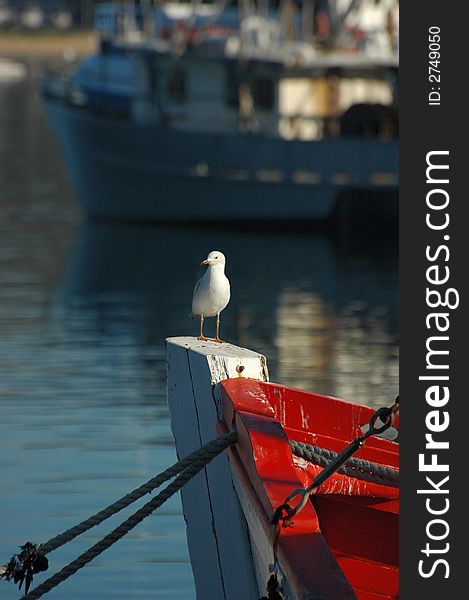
84 312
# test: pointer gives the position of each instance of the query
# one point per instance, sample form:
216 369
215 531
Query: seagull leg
217 338
201 336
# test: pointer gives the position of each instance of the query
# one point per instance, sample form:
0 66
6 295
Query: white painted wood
261 548
217 533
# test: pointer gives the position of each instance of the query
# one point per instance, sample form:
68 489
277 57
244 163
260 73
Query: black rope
273 589
354 467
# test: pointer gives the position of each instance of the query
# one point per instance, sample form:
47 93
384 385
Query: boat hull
130 171
343 544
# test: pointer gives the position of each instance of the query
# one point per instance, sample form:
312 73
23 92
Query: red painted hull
344 543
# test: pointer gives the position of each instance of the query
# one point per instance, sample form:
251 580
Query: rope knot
32 559
273 589
282 513
24 565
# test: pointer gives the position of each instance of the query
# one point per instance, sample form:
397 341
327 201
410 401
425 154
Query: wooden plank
217 533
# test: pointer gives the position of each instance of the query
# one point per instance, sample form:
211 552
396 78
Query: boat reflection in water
325 315
350 350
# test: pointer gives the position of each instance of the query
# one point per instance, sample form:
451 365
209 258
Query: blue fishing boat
207 116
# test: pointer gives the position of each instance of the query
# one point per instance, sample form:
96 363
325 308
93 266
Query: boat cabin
196 92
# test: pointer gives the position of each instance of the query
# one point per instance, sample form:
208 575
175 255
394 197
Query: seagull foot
219 340
202 338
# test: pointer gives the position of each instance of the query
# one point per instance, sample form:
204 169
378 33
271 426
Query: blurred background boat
209 112
36 15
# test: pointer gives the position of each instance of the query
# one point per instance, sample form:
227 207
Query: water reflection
325 316
83 408
84 415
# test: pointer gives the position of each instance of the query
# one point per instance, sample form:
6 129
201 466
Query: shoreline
46 43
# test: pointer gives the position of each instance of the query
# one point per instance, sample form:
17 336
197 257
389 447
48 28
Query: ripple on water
84 311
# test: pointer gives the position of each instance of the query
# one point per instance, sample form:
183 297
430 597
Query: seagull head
214 258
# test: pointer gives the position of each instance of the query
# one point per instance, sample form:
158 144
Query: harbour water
84 312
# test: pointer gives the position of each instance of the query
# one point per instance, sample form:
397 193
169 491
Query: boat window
264 93
371 121
177 86
232 85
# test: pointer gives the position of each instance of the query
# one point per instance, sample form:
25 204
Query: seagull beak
205 262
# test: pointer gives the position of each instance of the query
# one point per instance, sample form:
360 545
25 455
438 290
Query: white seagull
211 292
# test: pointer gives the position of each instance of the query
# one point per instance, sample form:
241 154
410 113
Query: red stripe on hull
344 544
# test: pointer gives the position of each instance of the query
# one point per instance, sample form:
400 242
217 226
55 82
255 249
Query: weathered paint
344 544
218 538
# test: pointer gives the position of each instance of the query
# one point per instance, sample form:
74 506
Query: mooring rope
185 469
120 531
380 421
354 467
32 558
197 457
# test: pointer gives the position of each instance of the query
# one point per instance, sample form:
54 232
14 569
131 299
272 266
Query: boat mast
307 20
287 11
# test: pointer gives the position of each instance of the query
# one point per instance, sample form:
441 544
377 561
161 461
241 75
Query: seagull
211 292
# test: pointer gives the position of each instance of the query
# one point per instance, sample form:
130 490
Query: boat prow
344 543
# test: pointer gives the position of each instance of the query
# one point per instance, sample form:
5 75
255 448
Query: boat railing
286 33
184 22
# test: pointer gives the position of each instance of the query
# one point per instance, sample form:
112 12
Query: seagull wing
197 288
194 296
